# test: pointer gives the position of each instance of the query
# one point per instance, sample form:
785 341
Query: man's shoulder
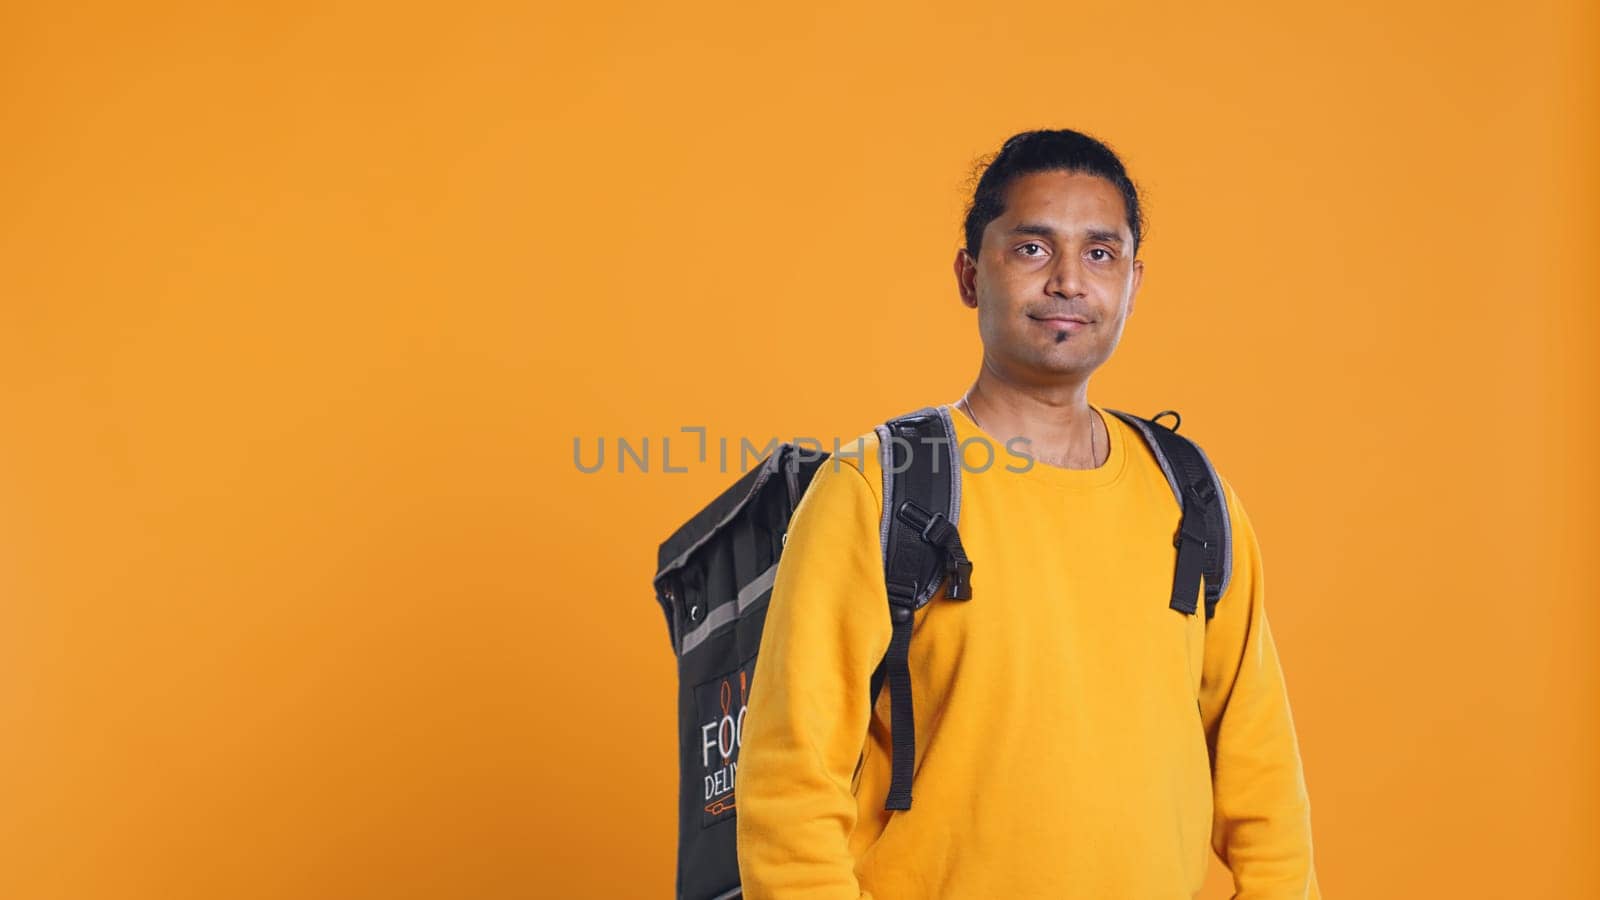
860 453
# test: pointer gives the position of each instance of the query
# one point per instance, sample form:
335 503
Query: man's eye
1104 258
1033 245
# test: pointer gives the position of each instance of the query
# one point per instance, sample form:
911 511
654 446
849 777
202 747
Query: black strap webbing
902 719
1200 539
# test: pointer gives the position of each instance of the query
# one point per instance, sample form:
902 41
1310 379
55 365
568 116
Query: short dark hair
1046 151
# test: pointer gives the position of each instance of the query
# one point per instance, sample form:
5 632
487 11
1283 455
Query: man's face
1062 251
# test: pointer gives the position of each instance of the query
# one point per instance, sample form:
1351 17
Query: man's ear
1138 278
966 269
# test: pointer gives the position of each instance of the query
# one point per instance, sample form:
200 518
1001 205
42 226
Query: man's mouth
1062 323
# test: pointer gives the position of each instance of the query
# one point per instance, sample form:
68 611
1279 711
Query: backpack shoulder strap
921 549
1205 536
921 484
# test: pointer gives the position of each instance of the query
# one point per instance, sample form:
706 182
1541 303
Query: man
1076 736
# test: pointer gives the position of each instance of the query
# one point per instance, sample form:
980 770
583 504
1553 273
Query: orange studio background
303 305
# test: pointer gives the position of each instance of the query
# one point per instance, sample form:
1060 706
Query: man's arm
827 628
1262 816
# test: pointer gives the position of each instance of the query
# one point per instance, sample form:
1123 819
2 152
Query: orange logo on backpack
724 734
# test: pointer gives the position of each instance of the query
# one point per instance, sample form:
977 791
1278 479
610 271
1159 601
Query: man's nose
1066 276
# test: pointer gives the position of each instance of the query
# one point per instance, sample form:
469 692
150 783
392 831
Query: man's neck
1056 419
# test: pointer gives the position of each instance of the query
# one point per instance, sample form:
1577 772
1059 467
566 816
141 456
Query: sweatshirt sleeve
826 630
1262 815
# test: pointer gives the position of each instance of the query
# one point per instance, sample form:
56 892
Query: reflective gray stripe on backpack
758 587
955 466
888 488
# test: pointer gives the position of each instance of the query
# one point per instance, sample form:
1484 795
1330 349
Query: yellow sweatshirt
1076 737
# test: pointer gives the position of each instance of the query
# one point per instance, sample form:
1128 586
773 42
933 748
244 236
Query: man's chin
1060 366
1063 360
